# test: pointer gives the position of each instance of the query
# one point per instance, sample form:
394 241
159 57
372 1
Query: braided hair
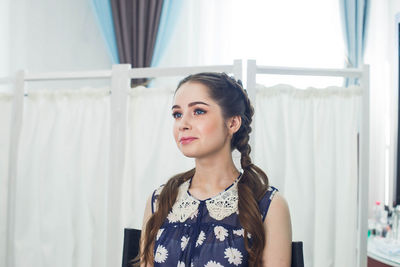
234 101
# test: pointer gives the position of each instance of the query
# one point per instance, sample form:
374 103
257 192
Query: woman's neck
212 176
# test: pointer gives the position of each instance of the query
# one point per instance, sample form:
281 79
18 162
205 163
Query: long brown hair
233 100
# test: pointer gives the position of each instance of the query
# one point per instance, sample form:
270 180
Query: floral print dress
204 232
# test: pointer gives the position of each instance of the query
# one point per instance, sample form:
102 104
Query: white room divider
75 179
82 162
288 109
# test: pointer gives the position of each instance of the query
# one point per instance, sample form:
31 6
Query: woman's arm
146 217
278 234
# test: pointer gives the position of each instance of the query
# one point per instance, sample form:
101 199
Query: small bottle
396 220
371 227
377 211
390 233
385 221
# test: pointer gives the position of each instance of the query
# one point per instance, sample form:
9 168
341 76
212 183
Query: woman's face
199 118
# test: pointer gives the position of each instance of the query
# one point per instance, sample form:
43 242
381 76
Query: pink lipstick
187 140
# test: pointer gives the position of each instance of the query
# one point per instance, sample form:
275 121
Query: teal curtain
354 15
169 16
102 9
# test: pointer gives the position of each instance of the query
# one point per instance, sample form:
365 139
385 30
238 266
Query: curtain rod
351 72
176 71
67 75
132 73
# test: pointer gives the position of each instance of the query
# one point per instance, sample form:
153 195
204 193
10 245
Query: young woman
214 214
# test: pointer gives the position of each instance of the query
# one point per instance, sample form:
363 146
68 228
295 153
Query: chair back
297 254
131 246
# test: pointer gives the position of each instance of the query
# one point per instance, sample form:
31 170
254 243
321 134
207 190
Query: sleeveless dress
204 232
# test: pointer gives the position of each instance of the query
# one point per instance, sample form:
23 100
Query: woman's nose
184 122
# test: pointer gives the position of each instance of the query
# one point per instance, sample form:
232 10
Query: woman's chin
189 154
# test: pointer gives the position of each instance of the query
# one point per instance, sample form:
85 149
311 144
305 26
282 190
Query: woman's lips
185 141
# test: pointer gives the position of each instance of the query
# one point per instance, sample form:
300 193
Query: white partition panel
78 167
360 215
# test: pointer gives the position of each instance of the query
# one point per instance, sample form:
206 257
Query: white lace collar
219 207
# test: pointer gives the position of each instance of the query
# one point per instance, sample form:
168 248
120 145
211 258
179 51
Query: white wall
393 61
381 54
4 32
54 36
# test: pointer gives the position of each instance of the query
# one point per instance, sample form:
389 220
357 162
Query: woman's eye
175 114
199 111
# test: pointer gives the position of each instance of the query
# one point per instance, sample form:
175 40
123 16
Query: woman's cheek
208 128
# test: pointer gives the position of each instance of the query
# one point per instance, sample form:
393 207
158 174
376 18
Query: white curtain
61 184
60 215
5 117
306 141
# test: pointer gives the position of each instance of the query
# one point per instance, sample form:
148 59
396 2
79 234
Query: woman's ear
234 124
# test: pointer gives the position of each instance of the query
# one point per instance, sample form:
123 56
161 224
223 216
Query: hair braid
166 200
253 184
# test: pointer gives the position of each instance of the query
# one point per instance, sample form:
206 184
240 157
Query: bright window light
291 33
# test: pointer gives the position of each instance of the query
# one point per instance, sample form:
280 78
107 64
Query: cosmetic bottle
378 214
395 223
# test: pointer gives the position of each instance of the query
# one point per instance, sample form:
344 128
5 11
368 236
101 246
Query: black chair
131 246
131 249
297 254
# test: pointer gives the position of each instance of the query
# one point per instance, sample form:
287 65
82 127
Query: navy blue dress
204 232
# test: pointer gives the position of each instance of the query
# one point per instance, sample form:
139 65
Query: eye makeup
196 110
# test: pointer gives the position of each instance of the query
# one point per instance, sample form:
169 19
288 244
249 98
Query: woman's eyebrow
191 104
